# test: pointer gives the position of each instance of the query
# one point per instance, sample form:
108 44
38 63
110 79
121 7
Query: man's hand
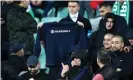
127 48
65 69
2 21
76 62
80 23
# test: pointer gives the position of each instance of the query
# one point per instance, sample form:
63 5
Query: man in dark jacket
107 71
120 22
15 64
21 26
96 39
34 72
5 7
78 69
74 16
123 60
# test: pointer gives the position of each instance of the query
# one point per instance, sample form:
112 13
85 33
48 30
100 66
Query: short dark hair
73 1
104 56
105 4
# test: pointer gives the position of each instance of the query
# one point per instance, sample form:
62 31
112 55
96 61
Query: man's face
107 42
77 61
109 23
103 10
26 3
73 7
33 69
117 44
131 41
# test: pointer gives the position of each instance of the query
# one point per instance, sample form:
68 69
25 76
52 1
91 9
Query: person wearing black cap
130 39
78 69
16 62
34 72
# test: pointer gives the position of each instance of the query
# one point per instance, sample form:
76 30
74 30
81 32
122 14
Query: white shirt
74 17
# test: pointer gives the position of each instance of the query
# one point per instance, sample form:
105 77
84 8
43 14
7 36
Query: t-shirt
60 39
40 76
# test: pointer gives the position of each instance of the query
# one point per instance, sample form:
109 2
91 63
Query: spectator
74 16
15 64
96 39
107 42
5 7
21 26
124 59
120 22
78 69
107 71
130 38
106 45
34 72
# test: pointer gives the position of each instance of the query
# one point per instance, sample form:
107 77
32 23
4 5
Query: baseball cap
16 47
32 61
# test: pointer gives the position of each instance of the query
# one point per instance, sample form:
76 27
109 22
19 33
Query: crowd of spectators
107 56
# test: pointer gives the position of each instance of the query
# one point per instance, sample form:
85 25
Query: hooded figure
79 69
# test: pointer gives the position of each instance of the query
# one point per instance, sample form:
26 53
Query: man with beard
120 22
34 72
122 60
96 39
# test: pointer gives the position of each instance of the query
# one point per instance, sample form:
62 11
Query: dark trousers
55 72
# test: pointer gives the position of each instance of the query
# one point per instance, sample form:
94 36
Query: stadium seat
86 14
62 12
42 56
51 13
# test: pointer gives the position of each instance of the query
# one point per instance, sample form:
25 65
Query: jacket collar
79 17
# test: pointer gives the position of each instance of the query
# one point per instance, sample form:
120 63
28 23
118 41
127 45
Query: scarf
122 9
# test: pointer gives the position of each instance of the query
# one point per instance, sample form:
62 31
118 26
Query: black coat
108 72
96 40
12 67
124 61
4 32
21 27
78 73
120 25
